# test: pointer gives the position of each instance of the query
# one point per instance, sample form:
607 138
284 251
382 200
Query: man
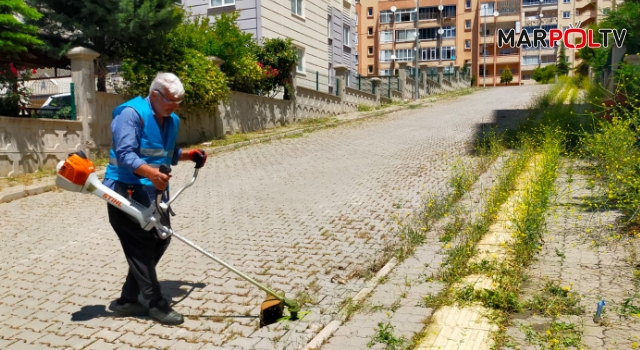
144 137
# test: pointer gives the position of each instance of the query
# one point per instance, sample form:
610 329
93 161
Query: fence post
84 92
341 79
457 71
423 77
440 74
402 80
73 101
317 81
359 83
389 87
374 83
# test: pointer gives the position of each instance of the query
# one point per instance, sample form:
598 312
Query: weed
384 335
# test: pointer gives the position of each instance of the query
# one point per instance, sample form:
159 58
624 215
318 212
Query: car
57 105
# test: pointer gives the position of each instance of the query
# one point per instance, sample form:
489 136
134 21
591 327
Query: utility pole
415 69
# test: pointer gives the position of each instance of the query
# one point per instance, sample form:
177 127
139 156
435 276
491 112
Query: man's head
166 93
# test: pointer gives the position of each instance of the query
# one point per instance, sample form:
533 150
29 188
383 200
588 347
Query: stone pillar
341 76
221 126
375 82
402 70
84 80
456 68
424 69
440 74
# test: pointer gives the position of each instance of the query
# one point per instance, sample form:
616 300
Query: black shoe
164 314
135 309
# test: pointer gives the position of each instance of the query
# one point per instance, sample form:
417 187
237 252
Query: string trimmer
77 174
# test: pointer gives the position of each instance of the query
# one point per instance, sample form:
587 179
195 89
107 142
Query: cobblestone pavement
293 213
583 254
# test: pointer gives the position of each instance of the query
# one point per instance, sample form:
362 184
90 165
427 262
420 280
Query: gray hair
167 81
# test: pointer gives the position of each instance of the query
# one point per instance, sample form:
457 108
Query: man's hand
199 156
159 180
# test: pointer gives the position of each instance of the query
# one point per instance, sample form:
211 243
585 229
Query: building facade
324 31
465 33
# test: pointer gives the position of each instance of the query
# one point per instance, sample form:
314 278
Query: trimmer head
271 311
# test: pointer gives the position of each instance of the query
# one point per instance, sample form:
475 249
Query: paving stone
258 206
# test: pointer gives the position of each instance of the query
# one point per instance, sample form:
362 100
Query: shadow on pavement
170 289
500 121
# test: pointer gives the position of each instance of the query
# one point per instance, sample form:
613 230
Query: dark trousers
142 249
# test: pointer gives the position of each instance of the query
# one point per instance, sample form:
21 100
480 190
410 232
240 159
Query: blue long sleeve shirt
126 129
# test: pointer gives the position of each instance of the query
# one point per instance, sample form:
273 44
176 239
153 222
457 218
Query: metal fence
315 80
58 107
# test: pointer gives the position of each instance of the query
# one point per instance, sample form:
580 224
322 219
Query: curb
334 325
26 191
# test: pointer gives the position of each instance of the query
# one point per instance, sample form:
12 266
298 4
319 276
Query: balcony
538 22
509 58
490 39
545 3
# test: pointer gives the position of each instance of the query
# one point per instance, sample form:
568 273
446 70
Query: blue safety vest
153 150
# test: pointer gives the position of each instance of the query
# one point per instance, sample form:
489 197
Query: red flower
14 70
34 71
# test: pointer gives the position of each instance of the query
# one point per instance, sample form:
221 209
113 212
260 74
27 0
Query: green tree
544 75
114 28
506 76
562 64
626 16
279 57
16 36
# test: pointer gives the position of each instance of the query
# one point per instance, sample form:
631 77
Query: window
405 55
428 13
606 11
346 30
430 54
565 28
386 36
448 52
370 50
370 31
385 55
486 9
529 60
428 33
467 24
385 72
370 69
467 44
467 4
218 3
449 11
449 32
405 15
369 11
405 35
566 14
300 67
566 1
385 16
296 7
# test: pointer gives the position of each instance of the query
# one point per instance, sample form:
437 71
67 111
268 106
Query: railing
365 84
314 80
537 2
63 111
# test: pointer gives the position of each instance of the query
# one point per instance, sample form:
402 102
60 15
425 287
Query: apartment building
324 31
455 32
531 15
387 32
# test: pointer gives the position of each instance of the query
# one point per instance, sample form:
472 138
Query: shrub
544 75
279 57
14 94
506 76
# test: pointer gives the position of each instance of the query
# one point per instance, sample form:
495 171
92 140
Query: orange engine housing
77 168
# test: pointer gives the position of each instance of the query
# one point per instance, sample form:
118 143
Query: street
293 213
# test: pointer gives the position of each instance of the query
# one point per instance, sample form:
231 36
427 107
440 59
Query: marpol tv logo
542 37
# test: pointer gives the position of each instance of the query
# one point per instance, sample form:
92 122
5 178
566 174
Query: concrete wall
354 97
312 104
245 113
27 144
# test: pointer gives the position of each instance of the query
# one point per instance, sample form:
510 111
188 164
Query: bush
545 75
506 76
14 94
277 57
205 85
